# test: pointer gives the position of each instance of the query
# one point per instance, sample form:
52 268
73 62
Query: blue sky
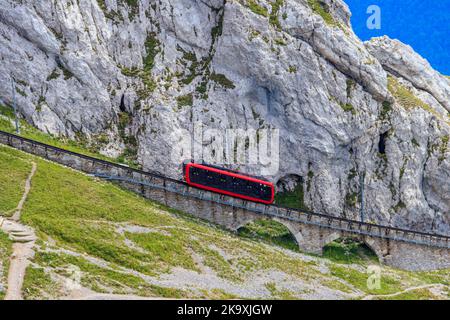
423 24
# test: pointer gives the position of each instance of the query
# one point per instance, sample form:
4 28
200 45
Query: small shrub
222 80
348 107
273 18
129 72
403 95
406 98
386 107
256 8
152 49
186 100
443 148
280 42
319 8
351 199
67 74
22 93
400 205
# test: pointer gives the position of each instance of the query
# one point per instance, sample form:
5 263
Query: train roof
227 169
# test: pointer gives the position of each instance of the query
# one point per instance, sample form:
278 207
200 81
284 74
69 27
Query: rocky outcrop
421 133
135 76
402 61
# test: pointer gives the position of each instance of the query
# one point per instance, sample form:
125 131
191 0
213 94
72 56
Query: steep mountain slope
99 241
134 75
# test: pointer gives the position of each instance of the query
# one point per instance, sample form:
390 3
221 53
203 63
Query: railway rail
156 180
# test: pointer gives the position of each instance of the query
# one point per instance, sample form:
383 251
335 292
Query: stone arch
289 182
292 229
368 243
376 245
294 232
330 238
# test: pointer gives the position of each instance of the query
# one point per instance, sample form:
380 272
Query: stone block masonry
404 249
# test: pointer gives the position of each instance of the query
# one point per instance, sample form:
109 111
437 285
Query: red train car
228 182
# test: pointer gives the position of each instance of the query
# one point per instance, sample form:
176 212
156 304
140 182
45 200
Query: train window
230 183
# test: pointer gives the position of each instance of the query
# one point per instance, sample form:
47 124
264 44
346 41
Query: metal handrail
360 230
154 174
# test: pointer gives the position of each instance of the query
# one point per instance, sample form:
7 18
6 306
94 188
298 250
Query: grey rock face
401 60
139 74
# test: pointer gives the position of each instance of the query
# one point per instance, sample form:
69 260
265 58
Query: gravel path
18 212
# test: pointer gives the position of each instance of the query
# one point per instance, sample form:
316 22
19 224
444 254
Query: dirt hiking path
24 239
426 286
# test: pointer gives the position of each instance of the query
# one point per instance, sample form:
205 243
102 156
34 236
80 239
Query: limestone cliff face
132 75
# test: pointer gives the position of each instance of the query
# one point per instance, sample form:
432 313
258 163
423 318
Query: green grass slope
13 173
79 145
109 240
5 253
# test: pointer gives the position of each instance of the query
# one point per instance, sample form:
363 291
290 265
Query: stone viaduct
404 249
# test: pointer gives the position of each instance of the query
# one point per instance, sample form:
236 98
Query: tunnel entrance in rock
271 232
289 182
382 143
349 250
290 192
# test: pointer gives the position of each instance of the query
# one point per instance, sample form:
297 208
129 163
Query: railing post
396 234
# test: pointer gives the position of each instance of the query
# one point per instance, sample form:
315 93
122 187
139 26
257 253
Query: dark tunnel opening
382 143
122 104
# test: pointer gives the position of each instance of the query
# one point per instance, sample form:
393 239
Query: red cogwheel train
228 182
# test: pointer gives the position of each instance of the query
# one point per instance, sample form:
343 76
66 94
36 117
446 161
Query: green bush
186 100
319 8
222 80
256 8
